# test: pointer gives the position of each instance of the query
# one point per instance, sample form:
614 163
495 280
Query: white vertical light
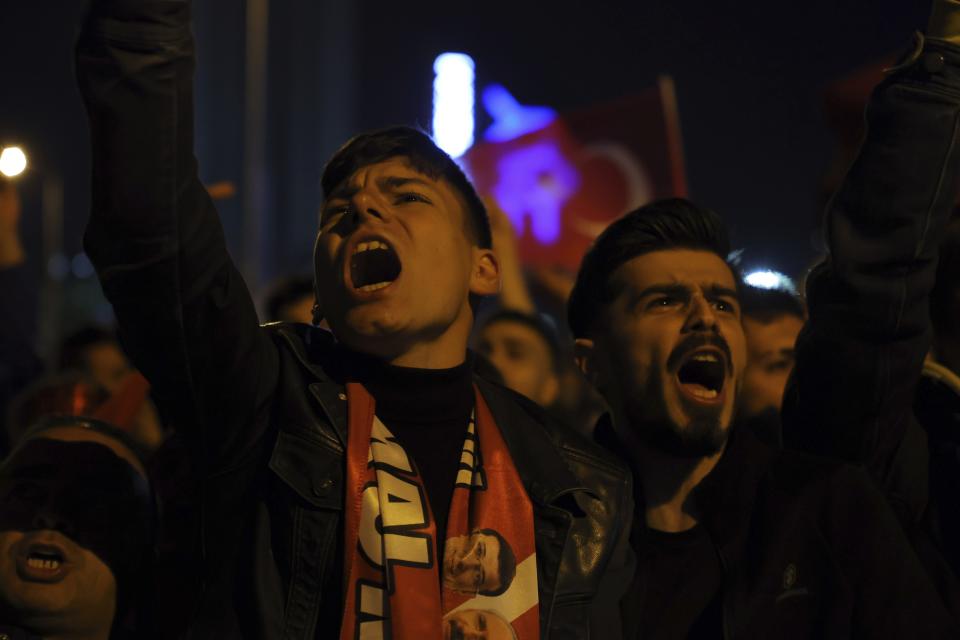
453 98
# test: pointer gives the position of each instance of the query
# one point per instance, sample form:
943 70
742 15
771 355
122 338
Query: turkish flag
564 183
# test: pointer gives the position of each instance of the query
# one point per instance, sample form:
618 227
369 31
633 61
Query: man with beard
732 538
333 466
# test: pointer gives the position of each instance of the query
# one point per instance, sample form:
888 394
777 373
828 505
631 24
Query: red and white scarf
392 568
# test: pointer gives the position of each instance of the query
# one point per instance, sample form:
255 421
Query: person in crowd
771 320
77 520
302 538
877 300
731 536
95 352
526 352
290 300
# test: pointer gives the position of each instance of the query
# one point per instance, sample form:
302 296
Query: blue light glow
534 182
453 99
510 118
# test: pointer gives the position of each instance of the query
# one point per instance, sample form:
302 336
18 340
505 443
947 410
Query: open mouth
42 562
702 375
373 266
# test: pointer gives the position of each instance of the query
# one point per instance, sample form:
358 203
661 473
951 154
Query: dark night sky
748 78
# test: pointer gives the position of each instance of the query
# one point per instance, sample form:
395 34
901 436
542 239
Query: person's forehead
782 330
685 267
396 167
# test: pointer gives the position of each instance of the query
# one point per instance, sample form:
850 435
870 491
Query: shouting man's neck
667 483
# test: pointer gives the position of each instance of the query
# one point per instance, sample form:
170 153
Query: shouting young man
733 538
335 466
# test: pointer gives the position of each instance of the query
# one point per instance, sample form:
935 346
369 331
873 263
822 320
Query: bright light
453 100
767 279
12 161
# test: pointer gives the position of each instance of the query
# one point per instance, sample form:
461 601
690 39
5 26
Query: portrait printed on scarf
482 562
477 623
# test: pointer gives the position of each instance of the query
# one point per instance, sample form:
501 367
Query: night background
749 81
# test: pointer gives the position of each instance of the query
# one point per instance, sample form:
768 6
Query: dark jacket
808 549
263 410
860 354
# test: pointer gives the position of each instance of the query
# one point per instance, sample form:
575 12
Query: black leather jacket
263 410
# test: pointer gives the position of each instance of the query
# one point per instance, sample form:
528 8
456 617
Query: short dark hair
673 223
766 305
423 155
535 323
285 292
945 296
507 566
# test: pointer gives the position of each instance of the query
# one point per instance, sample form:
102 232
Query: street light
12 161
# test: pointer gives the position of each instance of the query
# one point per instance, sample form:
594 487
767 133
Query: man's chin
701 437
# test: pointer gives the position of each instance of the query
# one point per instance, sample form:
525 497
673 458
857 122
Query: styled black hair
506 567
673 223
423 155
536 323
285 292
766 305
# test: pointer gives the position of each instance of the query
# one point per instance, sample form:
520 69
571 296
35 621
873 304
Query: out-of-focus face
49 582
523 358
476 624
770 359
396 265
471 564
107 364
670 352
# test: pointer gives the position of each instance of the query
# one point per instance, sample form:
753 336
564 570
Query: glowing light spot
453 99
534 182
767 279
81 266
12 161
510 118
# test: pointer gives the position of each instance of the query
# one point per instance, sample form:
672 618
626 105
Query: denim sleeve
184 312
859 356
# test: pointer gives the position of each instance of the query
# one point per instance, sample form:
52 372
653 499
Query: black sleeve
185 315
859 356
895 597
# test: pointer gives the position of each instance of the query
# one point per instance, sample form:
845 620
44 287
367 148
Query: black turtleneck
428 411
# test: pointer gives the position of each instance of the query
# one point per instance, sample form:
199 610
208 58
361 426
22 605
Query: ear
485 279
585 355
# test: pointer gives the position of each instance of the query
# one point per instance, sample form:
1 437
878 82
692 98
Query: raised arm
860 354
185 315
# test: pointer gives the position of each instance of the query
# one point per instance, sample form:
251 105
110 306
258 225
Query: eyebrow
346 191
713 290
